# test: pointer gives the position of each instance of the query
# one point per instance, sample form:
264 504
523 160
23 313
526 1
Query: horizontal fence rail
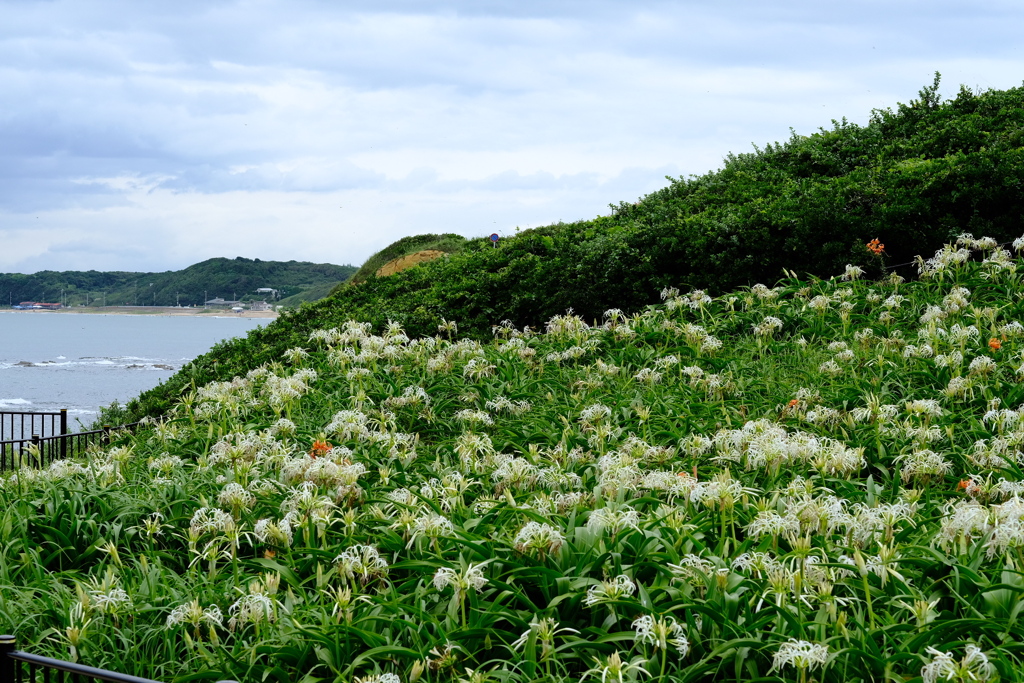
17 425
39 452
23 667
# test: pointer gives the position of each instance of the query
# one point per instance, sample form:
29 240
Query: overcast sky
152 135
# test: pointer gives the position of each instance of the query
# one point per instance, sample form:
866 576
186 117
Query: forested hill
236 278
913 177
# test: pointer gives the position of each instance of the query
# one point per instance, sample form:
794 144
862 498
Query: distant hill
234 279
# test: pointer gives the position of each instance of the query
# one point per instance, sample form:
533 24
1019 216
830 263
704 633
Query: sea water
81 362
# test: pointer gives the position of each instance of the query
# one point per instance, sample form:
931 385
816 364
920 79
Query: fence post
7 646
63 432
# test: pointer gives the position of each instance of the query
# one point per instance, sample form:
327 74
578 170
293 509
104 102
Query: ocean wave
120 362
11 402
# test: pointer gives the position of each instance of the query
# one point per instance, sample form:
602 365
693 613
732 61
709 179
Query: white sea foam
11 402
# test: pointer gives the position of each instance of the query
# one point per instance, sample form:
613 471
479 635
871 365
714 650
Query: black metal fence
22 425
17 666
39 449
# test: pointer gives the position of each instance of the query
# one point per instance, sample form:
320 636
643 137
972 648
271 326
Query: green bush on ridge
449 243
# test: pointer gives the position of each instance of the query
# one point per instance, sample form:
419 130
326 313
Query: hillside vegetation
819 480
913 177
449 243
217 277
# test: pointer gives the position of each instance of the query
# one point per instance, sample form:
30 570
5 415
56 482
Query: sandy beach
150 310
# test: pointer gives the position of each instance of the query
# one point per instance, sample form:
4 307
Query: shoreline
166 311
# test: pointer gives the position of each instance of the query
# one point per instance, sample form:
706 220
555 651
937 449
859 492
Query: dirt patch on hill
399 264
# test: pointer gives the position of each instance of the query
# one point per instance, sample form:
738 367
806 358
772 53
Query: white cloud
135 137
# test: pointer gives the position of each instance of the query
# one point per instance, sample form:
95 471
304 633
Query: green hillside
819 481
913 177
449 243
232 279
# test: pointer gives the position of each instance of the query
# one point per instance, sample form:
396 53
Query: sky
148 136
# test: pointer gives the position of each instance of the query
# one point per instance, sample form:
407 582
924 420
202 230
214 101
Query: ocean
50 361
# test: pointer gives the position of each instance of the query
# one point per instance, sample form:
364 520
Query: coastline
170 311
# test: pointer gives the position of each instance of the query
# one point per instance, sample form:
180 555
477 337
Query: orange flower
995 344
794 403
319 448
686 474
964 483
876 247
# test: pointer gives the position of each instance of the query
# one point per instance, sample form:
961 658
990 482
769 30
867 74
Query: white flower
108 599
613 589
831 368
546 629
771 523
192 613
614 519
502 404
474 417
595 414
924 408
768 327
648 376
543 538
348 424
236 497
210 520
380 678
973 667
362 561
470 577
166 464
567 327
923 463
661 633
852 272
278 534
800 654
432 525
693 569
982 365
254 608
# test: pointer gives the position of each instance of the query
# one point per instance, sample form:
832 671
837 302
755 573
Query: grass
818 480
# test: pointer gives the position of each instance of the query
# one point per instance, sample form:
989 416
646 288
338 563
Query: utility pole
206 297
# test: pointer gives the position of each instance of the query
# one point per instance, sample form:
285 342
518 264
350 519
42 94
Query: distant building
260 306
37 306
267 290
223 303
